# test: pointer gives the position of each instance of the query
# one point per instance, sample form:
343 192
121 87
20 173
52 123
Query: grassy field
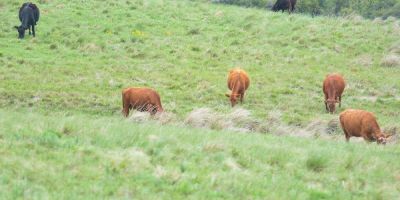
85 54
60 156
62 133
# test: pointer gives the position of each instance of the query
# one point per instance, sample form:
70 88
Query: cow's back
36 12
137 94
238 75
27 10
358 122
351 122
141 96
333 83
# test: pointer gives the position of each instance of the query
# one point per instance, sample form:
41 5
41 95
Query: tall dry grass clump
391 60
161 118
393 132
201 118
238 120
393 57
139 116
364 60
241 120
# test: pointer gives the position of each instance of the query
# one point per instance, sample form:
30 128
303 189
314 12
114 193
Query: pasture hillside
370 9
84 54
62 135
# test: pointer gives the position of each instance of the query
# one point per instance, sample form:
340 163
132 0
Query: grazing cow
238 82
28 15
284 5
333 87
141 99
360 123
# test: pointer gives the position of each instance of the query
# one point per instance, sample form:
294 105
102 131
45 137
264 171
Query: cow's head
21 31
382 138
331 105
275 7
233 98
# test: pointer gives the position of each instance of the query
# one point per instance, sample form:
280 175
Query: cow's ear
227 95
16 27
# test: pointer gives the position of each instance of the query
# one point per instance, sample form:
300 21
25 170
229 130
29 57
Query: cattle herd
356 123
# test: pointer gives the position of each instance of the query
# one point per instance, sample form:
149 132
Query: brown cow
238 82
141 99
360 123
333 87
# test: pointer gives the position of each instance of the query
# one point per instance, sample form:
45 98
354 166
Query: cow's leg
241 98
29 30
33 30
326 107
290 6
364 133
347 138
367 139
148 108
346 134
125 109
151 109
326 104
340 101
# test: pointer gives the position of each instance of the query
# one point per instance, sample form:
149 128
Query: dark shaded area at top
368 9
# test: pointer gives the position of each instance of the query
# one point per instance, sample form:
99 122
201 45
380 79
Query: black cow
284 5
28 15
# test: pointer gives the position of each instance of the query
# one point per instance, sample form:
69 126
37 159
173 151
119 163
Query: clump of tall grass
241 120
131 160
364 60
393 132
91 48
391 60
378 20
238 120
395 49
201 118
316 162
162 118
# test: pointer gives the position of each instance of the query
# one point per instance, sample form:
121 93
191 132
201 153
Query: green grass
84 54
62 134
90 157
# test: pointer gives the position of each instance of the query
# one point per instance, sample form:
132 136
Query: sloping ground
62 136
369 9
91 157
86 52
